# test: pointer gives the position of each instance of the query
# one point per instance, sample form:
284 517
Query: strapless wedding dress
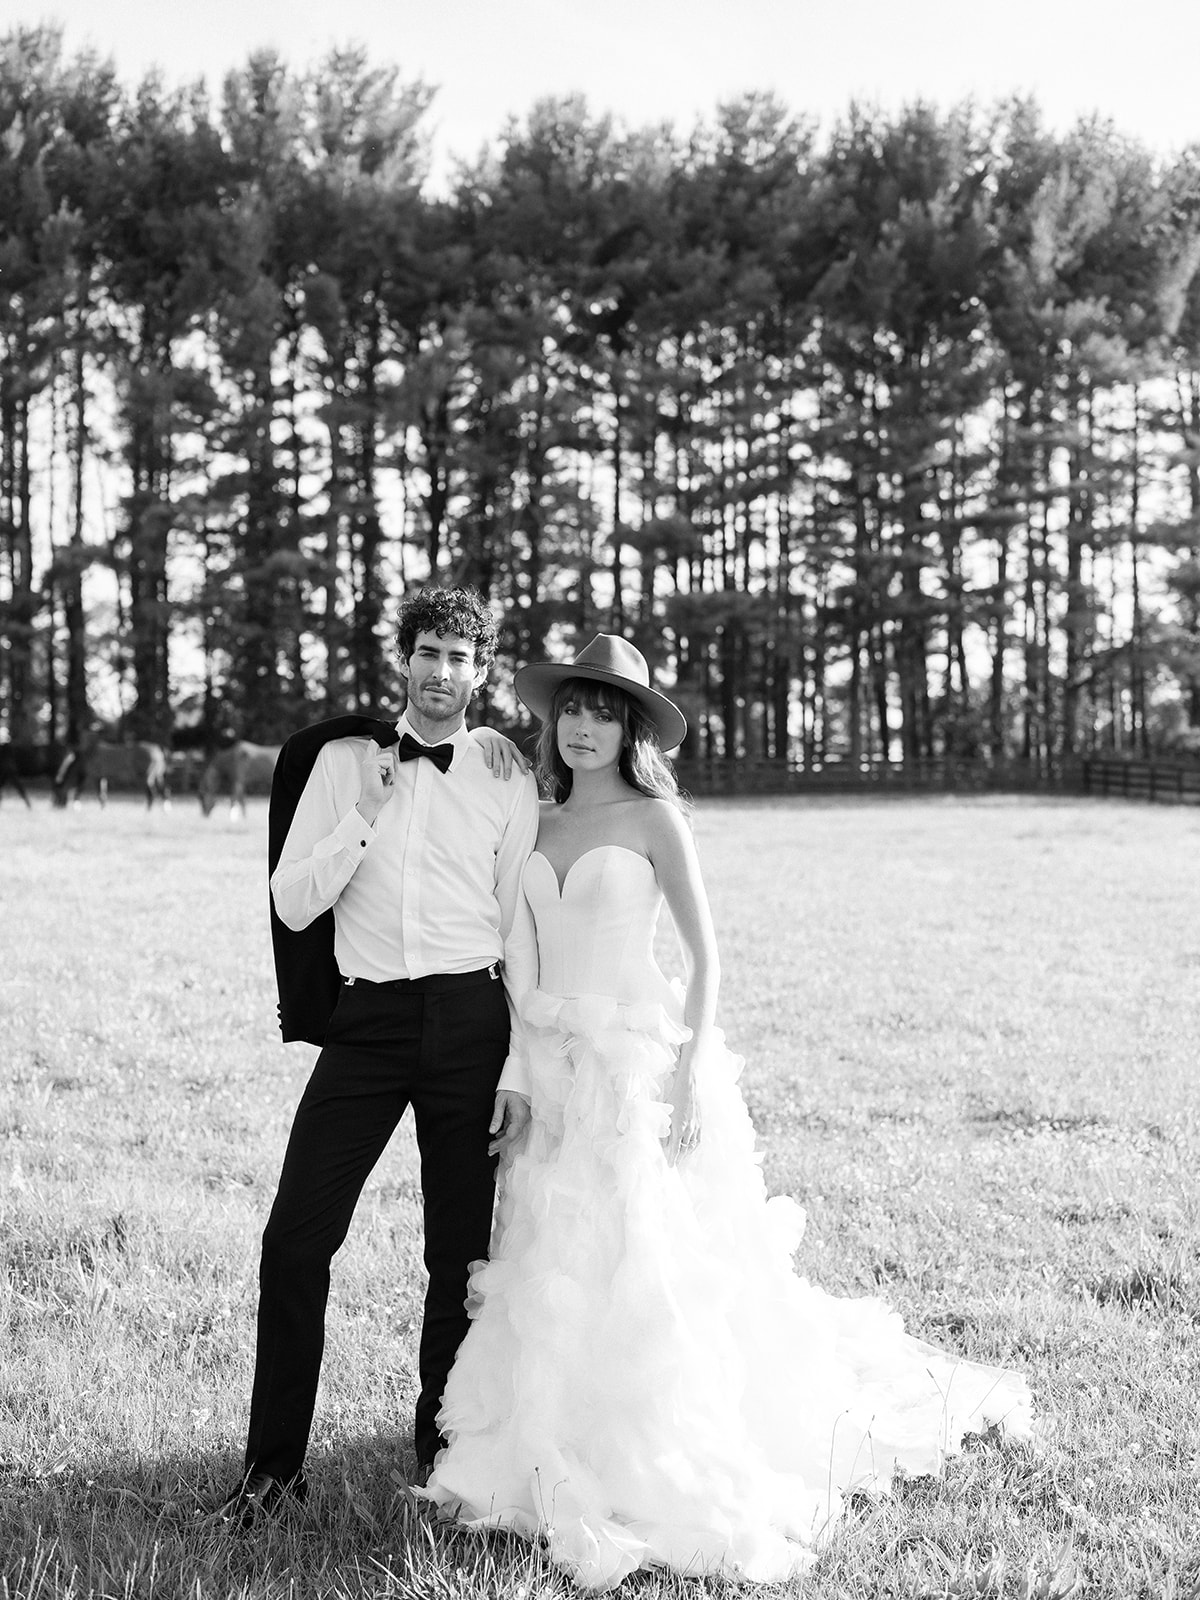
646 1380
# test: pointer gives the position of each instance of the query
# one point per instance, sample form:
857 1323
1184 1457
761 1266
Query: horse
242 766
10 772
142 765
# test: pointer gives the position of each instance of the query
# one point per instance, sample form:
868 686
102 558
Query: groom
418 852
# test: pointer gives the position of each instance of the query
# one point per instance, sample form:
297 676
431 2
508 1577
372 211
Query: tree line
879 443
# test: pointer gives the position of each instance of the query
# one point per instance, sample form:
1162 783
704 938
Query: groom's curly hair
459 611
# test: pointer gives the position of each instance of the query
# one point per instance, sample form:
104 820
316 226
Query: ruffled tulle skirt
646 1380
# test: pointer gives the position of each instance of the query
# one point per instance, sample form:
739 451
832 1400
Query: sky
647 61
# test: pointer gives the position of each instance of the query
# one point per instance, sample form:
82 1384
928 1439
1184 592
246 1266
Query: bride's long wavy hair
642 763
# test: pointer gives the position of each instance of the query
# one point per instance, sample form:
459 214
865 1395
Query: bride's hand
685 1116
510 1118
500 753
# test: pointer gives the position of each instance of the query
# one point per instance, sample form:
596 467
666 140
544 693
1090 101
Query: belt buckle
493 970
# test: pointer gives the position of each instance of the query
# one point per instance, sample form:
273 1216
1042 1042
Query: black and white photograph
599 800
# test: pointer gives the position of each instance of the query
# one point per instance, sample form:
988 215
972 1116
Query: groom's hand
509 1121
378 780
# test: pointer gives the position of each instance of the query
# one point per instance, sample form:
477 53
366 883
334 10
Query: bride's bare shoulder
660 822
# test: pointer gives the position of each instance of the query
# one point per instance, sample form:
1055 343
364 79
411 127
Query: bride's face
589 737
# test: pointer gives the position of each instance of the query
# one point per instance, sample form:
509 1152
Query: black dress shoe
260 1497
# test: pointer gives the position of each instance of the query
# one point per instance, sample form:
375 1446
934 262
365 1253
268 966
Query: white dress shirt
433 887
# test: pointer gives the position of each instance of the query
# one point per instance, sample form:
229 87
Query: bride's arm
500 753
672 853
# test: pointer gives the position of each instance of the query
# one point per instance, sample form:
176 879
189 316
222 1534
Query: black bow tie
440 754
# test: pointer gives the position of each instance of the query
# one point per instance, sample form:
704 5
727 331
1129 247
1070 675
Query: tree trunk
18 541
77 718
618 576
1137 663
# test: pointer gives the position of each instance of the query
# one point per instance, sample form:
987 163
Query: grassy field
972 1032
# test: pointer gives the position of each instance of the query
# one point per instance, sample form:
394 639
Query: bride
646 1380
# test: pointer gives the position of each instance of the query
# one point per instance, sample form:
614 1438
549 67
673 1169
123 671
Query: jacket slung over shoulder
306 973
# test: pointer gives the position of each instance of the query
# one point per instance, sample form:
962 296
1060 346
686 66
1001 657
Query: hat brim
535 686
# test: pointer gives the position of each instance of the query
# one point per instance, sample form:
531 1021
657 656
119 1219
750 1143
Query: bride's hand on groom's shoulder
509 1122
500 753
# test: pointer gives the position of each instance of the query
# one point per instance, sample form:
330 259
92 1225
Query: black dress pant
439 1044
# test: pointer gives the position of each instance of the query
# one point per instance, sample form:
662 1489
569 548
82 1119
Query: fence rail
1103 777
1108 777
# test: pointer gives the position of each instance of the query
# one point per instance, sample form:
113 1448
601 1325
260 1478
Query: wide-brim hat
608 659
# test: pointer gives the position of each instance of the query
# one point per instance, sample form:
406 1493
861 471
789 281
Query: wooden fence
1106 777
1102 777
1111 778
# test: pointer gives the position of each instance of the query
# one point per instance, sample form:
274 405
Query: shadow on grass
137 1526
1155 1288
144 1529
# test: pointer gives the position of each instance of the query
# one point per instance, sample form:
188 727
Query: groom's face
442 676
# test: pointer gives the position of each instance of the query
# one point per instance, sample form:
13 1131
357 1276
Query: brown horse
244 766
142 765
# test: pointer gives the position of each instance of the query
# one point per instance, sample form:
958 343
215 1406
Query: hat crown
606 659
608 652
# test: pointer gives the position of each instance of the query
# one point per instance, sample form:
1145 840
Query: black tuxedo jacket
306 973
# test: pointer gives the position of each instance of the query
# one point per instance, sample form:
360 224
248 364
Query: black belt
433 983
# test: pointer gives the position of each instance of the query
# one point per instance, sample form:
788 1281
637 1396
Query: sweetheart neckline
594 850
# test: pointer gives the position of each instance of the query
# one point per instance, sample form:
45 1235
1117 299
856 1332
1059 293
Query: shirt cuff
515 1076
353 833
